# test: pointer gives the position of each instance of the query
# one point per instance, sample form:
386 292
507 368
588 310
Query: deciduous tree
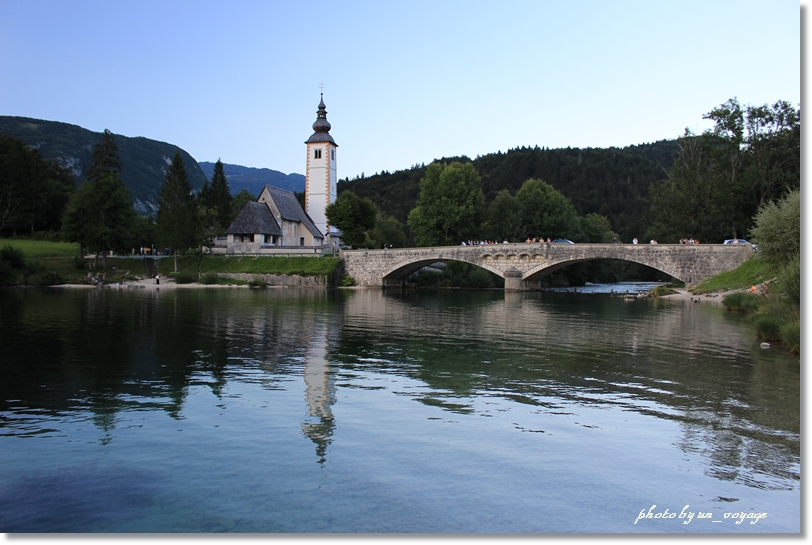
547 212
449 207
355 217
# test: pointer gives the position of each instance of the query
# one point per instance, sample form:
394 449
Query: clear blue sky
405 82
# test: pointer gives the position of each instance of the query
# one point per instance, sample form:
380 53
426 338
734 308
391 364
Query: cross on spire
321 86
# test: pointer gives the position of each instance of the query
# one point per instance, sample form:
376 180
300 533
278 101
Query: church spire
321 126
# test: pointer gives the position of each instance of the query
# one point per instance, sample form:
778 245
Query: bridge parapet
523 264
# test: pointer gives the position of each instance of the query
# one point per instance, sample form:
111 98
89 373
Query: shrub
183 278
347 281
789 280
741 301
79 263
777 228
13 256
768 326
257 282
791 335
660 291
209 278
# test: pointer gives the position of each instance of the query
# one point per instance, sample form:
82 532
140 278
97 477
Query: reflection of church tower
320 176
319 392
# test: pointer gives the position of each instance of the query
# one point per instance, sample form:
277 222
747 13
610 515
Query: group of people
481 242
688 241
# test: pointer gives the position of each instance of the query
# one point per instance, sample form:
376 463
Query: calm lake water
287 410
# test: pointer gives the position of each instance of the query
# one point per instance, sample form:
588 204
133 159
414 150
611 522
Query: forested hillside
613 182
143 161
254 179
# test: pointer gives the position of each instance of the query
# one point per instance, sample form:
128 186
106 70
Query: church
276 224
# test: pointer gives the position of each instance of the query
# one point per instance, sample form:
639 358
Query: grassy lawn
42 248
752 271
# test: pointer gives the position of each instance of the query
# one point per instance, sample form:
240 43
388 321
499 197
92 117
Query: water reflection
569 370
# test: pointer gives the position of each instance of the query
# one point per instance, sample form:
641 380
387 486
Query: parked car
736 241
562 241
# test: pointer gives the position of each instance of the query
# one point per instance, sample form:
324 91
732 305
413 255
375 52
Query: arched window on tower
317 153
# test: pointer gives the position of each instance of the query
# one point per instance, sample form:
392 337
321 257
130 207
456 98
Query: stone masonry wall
282 279
524 263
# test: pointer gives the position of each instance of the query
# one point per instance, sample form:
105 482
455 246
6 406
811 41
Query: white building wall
320 182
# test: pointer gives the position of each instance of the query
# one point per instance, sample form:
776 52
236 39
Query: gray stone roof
290 209
255 218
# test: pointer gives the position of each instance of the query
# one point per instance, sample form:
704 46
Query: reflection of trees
689 363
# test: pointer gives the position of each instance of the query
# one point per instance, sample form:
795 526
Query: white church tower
320 177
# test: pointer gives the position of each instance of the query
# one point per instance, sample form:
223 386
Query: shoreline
149 283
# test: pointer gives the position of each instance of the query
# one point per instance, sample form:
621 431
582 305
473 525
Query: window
333 154
301 239
317 154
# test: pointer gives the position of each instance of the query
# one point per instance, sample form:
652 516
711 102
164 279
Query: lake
306 410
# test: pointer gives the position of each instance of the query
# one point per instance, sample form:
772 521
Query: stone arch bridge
522 265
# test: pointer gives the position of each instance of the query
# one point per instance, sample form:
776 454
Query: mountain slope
254 179
143 161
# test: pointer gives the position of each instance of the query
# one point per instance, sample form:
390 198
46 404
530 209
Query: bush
741 301
210 278
777 228
79 263
257 282
791 335
183 278
347 281
660 291
789 280
13 256
768 326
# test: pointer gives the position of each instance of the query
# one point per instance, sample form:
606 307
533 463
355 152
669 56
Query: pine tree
100 214
176 218
105 158
221 196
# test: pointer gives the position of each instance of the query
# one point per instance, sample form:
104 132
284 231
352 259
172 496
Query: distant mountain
143 161
254 179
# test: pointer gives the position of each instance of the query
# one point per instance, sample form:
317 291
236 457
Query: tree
355 217
238 203
685 204
176 221
100 215
220 199
33 191
388 230
505 218
547 212
597 228
449 206
720 179
105 158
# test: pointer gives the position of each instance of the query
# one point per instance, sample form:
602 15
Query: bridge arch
540 271
402 270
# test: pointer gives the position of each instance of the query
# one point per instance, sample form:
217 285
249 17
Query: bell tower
320 175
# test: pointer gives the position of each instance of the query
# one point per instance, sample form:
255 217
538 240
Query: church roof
256 218
290 209
321 126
